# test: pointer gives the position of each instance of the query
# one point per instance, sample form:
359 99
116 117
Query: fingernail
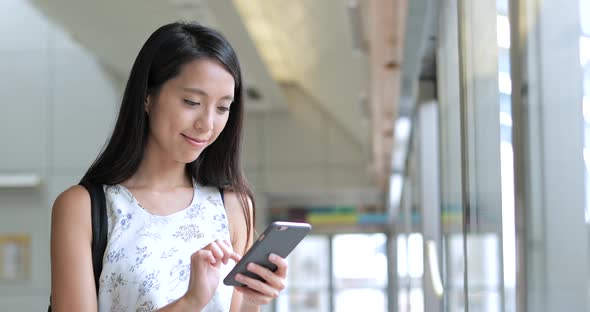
273 257
250 266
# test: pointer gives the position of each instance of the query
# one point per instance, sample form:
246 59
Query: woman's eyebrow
203 93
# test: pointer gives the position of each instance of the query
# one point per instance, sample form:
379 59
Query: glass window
360 261
340 272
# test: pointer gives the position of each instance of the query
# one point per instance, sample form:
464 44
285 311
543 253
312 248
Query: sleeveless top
146 264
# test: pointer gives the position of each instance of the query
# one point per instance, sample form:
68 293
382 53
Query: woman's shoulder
233 202
75 194
73 205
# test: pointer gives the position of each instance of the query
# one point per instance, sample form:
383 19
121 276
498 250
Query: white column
480 142
430 203
552 238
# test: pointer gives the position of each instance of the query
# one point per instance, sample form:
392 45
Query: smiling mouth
194 141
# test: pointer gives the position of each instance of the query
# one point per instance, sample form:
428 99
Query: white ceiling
308 43
312 39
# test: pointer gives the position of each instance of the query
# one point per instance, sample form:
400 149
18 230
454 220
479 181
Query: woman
179 208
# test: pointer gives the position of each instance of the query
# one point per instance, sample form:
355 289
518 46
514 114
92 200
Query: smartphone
279 238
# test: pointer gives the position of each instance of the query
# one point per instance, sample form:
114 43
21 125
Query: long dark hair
159 60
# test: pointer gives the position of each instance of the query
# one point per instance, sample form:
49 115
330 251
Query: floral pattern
142 254
180 272
169 253
147 259
147 306
196 211
112 282
188 232
150 281
116 255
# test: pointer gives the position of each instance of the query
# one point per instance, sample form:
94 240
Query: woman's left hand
260 293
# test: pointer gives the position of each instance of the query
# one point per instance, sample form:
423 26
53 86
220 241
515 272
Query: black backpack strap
221 193
99 227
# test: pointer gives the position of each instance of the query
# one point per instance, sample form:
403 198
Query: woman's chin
187 159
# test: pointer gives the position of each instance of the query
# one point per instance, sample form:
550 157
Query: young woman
178 206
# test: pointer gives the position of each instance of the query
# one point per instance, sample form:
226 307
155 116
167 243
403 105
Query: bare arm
240 242
250 298
72 278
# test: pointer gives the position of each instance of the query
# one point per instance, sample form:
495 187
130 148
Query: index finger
228 252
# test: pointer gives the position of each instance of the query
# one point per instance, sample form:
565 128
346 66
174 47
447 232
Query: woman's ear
147 105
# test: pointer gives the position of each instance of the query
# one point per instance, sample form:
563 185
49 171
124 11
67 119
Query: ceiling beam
386 29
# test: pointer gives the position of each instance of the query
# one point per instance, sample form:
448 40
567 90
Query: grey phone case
279 238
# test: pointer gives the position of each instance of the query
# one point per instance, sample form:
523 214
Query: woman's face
190 110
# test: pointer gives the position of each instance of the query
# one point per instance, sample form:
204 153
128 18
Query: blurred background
440 148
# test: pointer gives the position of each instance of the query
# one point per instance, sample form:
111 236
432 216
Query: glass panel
309 263
416 300
415 256
308 279
412 302
402 256
360 260
585 62
455 300
354 300
483 301
484 43
585 16
453 268
455 263
506 158
403 303
304 301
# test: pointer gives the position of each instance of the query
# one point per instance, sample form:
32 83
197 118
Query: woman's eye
191 103
223 109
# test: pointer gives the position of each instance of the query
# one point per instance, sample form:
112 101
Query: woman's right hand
204 276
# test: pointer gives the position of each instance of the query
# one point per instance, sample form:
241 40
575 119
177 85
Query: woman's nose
205 120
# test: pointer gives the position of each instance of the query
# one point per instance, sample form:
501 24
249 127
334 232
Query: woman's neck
159 173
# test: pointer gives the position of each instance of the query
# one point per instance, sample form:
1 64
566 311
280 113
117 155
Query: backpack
98 213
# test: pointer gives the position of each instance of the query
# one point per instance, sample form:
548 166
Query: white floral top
146 263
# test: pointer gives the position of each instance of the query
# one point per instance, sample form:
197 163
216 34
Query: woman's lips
195 142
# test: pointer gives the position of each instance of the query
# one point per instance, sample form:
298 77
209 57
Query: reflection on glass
305 301
410 270
415 255
402 256
309 263
417 299
456 300
506 163
360 260
482 301
354 300
455 264
482 260
585 16
503 34
585 62
308 279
